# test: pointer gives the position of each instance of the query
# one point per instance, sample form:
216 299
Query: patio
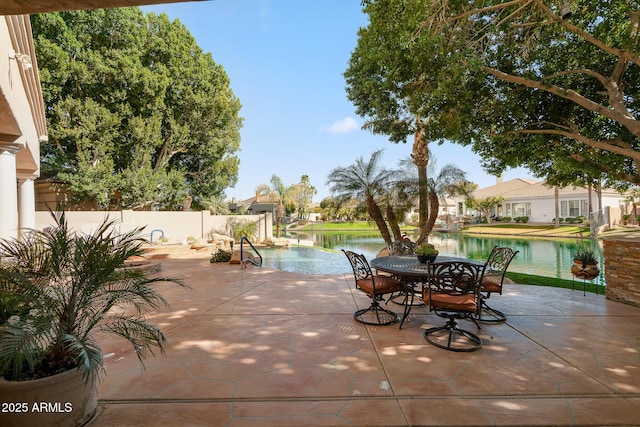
265 347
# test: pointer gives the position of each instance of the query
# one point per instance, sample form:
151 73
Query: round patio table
411 271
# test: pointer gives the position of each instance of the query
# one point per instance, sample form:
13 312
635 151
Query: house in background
252 206
536 200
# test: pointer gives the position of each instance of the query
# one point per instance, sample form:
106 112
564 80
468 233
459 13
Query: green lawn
344 226
529 279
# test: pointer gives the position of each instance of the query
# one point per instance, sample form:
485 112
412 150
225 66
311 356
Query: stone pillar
8 193
26 205
622 270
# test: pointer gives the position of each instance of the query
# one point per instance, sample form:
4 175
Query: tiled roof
503 188
516 188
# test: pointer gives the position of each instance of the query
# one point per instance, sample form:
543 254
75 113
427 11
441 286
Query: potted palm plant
585 264
426 252
58 290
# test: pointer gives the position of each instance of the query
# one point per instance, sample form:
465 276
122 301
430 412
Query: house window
518 209
573 208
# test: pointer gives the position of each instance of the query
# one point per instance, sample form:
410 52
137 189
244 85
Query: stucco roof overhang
27 7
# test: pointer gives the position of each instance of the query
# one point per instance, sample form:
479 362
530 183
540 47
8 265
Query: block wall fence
176 227
622 270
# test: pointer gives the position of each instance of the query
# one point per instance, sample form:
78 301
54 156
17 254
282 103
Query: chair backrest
455 277
498 262
402 247
360 265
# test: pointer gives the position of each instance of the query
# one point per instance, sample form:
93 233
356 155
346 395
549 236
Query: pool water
309 260
542 257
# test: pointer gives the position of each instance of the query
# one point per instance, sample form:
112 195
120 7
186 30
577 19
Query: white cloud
343 126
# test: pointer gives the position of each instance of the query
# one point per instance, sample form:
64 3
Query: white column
26 205
8 194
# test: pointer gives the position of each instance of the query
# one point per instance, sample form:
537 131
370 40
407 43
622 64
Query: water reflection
543 257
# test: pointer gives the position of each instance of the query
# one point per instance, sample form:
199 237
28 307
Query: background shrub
220 256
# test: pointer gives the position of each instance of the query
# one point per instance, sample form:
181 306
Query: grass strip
530 279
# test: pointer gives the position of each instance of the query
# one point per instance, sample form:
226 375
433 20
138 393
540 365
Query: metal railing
251 259
598 219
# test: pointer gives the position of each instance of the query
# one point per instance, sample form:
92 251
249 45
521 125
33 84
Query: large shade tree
138 114
520 81
384 78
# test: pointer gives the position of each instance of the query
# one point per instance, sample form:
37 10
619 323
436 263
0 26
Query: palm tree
276 192
450 181
217 205
366 181
420 156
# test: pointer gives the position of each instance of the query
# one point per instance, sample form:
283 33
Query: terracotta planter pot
59 400
584 271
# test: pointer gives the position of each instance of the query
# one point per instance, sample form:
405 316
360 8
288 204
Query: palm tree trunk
434 207
420 156
279 216
393 223
376 215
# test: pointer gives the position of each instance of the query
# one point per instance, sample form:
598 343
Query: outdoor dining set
453 288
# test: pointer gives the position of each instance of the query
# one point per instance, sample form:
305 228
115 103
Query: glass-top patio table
411 271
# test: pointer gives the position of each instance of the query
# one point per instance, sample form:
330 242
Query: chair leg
490 315
382 316
469 342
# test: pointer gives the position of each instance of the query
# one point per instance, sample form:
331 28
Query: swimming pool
309 260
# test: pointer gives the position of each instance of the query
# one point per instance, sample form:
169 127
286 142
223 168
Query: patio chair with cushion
493 281
453 292
375 286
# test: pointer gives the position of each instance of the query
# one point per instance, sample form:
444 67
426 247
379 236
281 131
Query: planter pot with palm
58 290
585 264
426 252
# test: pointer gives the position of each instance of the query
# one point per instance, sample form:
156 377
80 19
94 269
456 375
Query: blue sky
285 60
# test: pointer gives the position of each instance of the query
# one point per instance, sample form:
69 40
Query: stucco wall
622 270
175 226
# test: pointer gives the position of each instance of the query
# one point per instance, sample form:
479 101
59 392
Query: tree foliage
301 194
512 79
365 181
138 114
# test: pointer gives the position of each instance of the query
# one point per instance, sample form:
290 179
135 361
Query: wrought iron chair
376 287
402 247
453 292
493 281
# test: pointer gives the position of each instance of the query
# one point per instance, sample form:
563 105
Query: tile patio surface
261 347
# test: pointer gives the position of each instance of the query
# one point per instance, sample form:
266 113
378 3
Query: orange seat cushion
491 284
384 285
465 302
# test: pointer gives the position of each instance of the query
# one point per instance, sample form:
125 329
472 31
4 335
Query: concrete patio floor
259 347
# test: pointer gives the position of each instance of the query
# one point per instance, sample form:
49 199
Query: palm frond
59 288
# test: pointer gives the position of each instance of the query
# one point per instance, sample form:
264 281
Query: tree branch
609 146
627 55
624 118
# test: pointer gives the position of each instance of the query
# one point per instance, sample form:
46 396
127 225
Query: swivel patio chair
375 286
453 292
493 281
